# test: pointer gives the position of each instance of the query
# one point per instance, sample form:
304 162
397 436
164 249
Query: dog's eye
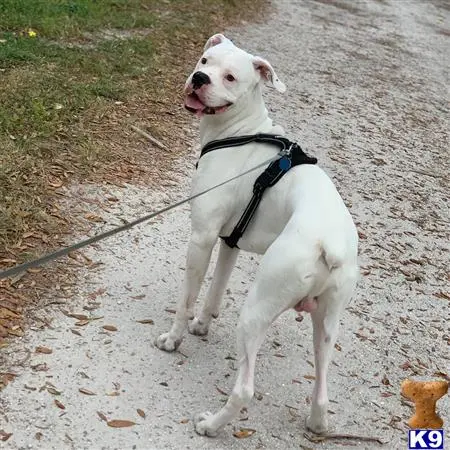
230 77
204 60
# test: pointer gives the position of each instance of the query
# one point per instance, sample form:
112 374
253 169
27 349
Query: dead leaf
141 413
337 347
4 436
40 367
86 391
75 331
109 327
406 365
95 294
170 310
59 404
442 375
309 377
221 391
279 355
138 297
120 423
146 321
81 323
44 350
442 295
102 416
113 394
93 217
244 433
79 316
53 391
38 435
386 394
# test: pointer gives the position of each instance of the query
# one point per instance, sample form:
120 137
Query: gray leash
99 237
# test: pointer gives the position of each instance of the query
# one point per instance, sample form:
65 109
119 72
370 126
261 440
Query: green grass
63 62
70 18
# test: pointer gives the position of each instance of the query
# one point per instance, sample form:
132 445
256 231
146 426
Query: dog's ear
216 40
268 74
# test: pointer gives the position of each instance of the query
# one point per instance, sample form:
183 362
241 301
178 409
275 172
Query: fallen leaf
79 316
296 381
337 347
40 367
4 436
93 217
53 391
442 295
113 394
44 350
406 365
146 321
102 416
141 413
244 433
170 310
442 375
109 327
221 391
309 377
120 423
81 323
75 331
279 355
86 391
138 297
95 294
59 404
386 394
38 435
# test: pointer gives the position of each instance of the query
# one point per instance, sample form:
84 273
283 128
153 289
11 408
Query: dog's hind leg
325 318
278 287
256 317
198 257
224 266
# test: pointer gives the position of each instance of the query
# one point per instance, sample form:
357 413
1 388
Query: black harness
290 155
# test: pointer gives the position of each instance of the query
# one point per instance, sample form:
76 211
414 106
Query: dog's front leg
225 263
198 257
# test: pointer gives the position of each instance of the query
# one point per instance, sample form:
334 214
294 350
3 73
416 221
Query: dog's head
223 75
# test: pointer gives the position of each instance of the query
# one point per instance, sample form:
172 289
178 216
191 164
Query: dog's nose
199 79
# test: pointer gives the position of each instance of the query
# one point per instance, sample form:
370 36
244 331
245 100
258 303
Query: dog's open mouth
193 104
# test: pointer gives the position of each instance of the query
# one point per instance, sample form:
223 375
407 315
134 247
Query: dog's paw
198 328
203 425
318 424
167 342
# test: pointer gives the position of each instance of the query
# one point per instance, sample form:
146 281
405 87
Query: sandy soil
368 95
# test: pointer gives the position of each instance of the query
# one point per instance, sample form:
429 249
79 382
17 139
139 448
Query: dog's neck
249 116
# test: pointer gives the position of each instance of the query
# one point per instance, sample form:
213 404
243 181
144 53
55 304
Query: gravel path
368 95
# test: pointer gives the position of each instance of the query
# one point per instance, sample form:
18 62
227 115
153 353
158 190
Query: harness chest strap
291 155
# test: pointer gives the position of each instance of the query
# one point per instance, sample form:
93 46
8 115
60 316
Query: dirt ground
368 95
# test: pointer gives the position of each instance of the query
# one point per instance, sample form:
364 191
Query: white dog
301 226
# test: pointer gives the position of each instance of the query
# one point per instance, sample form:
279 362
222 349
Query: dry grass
67 99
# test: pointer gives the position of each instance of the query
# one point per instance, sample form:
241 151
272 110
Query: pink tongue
194 103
